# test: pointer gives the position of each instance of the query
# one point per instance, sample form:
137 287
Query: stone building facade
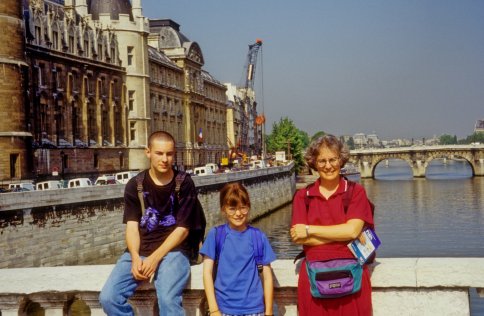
14 135
76 92
204 103
87 90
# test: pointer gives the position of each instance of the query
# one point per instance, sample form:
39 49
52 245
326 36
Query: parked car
79 182
49 185
21 186
106 179
123 177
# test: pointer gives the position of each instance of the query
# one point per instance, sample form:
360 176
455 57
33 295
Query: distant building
373 141
204 104
360 140
479 128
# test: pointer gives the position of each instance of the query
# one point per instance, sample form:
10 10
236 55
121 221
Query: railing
401 286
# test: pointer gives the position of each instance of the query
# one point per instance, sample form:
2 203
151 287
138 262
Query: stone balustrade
401 286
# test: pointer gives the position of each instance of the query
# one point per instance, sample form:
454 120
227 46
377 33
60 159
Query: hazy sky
403 68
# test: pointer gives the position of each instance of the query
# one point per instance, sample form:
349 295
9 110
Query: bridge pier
366 169
479 167
418 168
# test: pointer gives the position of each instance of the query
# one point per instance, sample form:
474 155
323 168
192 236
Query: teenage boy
156 239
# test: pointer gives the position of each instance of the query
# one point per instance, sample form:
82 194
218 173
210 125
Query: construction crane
250 133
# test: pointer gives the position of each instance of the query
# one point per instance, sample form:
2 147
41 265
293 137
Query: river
441 215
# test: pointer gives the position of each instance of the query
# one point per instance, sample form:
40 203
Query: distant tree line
447 139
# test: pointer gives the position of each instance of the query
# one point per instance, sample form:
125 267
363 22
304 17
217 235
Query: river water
441 215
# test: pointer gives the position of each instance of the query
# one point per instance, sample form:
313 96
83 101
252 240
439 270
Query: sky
400 68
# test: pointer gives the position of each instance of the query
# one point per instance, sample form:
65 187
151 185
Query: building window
130 55
113 55
132 131
55 40
96 160
71 43
13 165
102 84
38 35
100 52
131 100
58 78
41 75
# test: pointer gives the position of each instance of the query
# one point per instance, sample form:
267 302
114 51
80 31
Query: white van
21 186
202 171
212 166
123 177
79 182
49 185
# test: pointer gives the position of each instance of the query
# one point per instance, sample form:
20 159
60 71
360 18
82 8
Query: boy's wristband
307 231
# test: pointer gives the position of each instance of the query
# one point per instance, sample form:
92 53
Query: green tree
305 138
477 137
285 135
317 135
447 139
351 143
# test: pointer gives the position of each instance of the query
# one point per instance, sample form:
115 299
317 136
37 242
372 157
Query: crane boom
249 138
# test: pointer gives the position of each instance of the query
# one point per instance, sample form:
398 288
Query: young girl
238 289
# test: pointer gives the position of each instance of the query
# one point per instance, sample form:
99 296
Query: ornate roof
114 7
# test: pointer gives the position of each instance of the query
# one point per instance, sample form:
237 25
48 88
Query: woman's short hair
327 141
160 135
234 194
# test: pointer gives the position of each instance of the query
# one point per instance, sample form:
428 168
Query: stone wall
401 286
84 225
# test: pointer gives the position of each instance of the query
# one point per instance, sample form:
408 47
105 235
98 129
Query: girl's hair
327 141
233 194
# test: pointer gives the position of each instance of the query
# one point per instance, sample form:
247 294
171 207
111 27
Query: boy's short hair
160 135
233 194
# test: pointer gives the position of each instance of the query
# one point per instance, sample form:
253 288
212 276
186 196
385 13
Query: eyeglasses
242 209
332 161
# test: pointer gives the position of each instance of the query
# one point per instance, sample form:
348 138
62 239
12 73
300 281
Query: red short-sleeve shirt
325 212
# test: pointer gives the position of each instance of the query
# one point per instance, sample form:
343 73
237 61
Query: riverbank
401 286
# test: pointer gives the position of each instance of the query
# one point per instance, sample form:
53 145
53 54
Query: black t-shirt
164 212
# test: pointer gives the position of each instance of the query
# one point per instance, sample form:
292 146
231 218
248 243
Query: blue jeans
170 280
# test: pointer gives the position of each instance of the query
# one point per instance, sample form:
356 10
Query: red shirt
325 212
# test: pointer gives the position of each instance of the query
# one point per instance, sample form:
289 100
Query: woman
320 224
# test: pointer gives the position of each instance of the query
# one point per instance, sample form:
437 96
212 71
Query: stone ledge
387 273
401 286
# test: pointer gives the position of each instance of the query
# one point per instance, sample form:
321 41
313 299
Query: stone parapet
84 225
401 286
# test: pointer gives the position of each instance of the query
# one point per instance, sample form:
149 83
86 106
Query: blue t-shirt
238 287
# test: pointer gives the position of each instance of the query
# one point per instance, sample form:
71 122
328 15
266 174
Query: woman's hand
298 232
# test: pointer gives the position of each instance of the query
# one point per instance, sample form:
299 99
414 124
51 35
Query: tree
477 137
285 135
447 139
351 143
317 135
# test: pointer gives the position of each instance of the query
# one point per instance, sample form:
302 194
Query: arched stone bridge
418 157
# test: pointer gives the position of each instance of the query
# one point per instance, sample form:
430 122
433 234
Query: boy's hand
149 266
136 269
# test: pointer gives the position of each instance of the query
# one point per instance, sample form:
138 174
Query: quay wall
401 286
84 225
